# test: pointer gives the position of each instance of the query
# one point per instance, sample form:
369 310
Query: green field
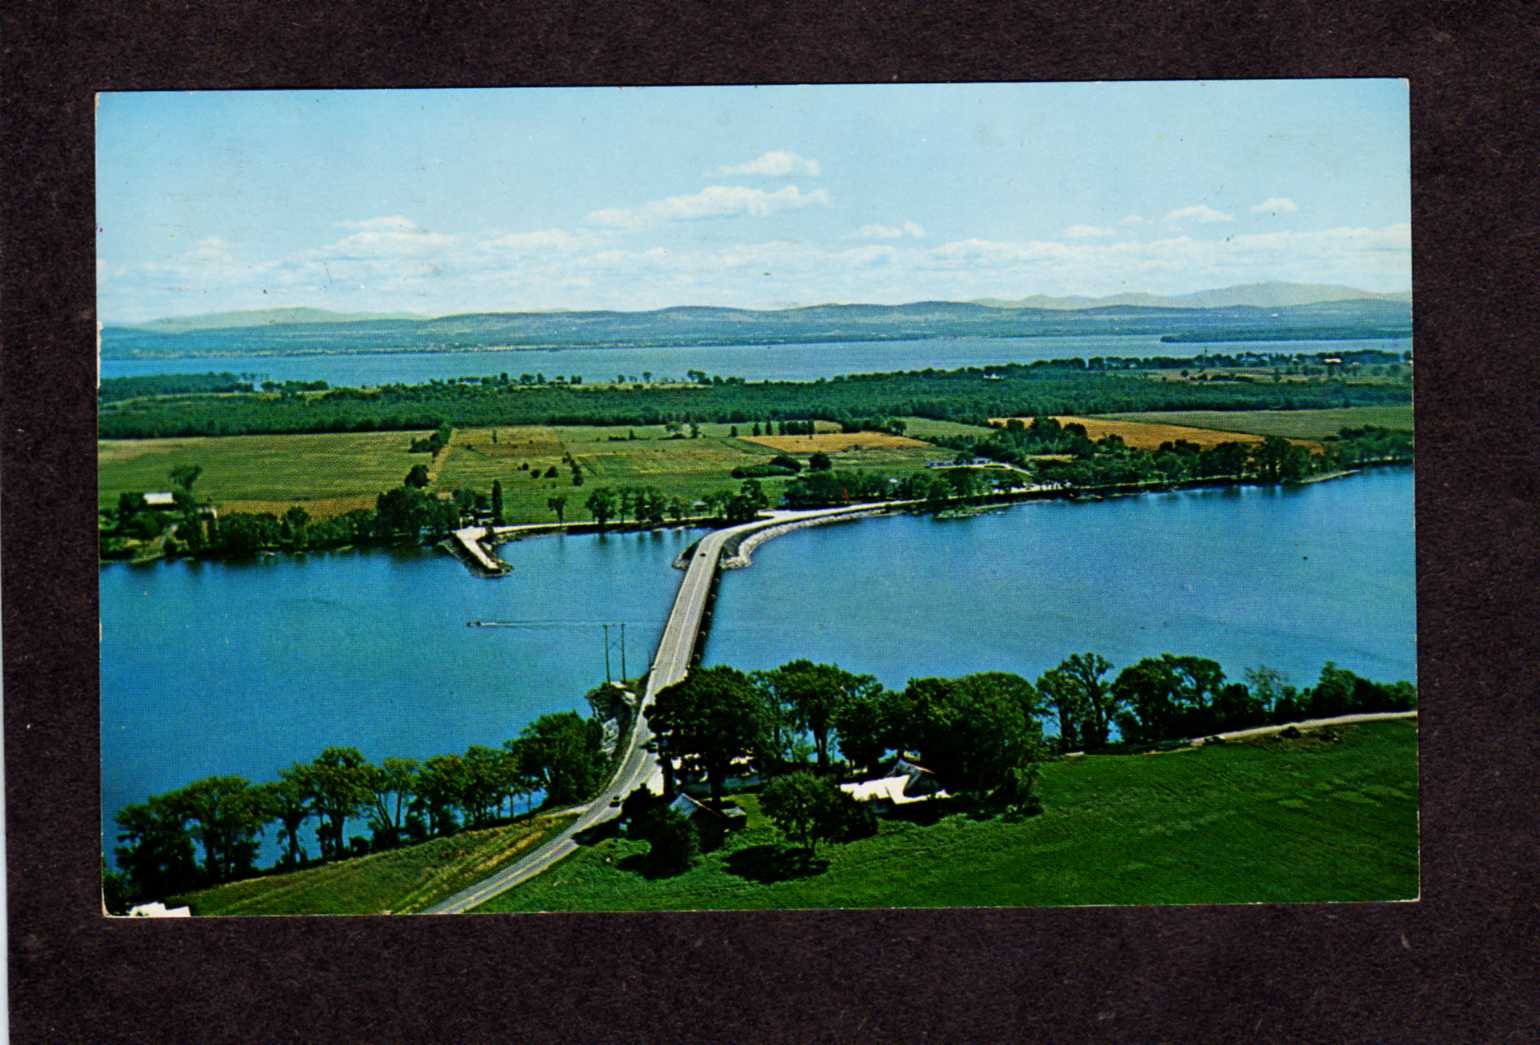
1272 820
926 428
333 473
1294 424
402 881
328 474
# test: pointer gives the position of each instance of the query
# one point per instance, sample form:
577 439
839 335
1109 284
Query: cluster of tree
821 488
401 801
645 505
117 389
648 506
294 387
1285 362
1179 697
432 444
969 395
979 734
408 512
779 465
1109 461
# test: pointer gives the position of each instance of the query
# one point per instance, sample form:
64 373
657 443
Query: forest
971 395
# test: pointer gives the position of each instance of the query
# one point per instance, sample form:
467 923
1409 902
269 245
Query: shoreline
741 556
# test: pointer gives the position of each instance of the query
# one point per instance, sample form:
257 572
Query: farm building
902 783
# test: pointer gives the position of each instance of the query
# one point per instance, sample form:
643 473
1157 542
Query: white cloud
714 201
394 222
538 240
908 228
1088 232
1198 212
1275 205
588 268
1132 219
777 163
385 237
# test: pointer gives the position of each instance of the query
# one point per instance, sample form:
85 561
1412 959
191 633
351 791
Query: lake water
219 668
1284 577
243 669
750 362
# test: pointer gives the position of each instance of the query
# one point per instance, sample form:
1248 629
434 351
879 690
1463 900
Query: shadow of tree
598 832
642 864
773 863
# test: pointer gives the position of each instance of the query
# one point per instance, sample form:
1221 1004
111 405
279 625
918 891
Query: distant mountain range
266 317
312 331
1246 295
1249 295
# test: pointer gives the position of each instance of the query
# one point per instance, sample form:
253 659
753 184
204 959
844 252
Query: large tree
227 816
1168 697
805 808
811 693
864 725
974 731
289 801
563 753
601 505
1083 699
440 787
184 475
707 719
392 785
338 785
154 851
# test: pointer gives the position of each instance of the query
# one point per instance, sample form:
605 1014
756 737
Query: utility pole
606 652
623 675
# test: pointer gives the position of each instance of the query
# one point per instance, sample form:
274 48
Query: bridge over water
676 650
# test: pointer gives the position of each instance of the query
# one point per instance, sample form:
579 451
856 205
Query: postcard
796 497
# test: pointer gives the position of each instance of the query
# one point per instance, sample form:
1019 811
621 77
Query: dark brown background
1459 965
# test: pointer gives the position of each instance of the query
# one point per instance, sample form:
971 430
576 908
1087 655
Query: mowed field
1267 821
326 474
1297 424
1149 434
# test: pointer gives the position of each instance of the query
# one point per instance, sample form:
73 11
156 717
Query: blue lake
1284 577
218 668
750 362
245 668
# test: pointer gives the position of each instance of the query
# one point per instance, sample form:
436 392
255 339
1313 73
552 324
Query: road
637 765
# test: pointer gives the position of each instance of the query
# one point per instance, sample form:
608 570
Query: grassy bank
1329 816
402 881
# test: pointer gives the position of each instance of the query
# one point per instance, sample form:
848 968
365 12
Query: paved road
638 765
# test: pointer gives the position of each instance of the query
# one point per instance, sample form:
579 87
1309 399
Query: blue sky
450 201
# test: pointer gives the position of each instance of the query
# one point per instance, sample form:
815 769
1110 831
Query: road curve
669 665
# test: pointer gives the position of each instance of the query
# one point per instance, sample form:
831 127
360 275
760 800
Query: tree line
970 395
1109 461
981 735
210 831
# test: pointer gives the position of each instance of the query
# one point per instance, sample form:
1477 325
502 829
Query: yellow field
833 442
1144 435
